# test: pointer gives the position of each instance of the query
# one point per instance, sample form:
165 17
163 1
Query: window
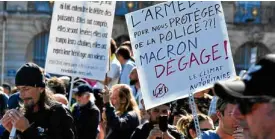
242 57
40 46
247 11
29 6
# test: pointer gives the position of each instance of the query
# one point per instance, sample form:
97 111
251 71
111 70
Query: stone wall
20 30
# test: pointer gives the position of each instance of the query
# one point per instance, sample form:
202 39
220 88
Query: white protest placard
180 47
80 38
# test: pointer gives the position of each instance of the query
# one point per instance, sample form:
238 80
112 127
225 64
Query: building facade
25 31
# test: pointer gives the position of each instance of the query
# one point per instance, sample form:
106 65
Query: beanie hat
30 74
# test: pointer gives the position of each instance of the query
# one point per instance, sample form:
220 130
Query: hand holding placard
106 94
80 38
180 47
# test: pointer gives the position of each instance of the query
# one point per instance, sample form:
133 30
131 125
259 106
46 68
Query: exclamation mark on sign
225 48
214 22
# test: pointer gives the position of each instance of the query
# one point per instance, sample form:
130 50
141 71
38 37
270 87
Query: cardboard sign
180 47
80 38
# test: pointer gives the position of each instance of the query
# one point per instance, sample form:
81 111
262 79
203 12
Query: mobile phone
163 123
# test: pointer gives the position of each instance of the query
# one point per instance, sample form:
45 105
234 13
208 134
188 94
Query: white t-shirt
126 70
114 73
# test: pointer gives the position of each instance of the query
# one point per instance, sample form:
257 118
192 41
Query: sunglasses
206 129
246 105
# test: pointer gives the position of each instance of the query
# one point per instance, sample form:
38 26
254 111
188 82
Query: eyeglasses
245 105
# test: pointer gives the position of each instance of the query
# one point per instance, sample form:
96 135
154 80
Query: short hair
7 86
57 86
221 105
124 52
128 44
191 125
113 46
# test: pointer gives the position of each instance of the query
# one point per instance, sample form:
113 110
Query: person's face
133 77
115 100
157 111
82 99
119 58
258 113
260 120
239 118
207 124
227 122
240 121
30 95
6 91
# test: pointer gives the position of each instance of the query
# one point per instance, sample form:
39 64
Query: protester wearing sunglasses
205 123
255 95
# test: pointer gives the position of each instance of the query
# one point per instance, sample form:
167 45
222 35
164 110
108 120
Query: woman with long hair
121 111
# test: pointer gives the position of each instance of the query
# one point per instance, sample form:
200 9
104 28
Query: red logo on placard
160 90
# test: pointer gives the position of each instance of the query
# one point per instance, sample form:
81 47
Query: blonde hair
191 124
126 92
183 122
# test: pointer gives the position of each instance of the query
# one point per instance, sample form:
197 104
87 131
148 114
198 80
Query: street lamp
3 42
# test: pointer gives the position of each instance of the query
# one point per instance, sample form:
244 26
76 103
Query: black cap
258 81
30 74
81 89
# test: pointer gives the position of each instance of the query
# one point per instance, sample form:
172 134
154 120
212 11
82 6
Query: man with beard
135 85
86 113
150 129
41 116
255 97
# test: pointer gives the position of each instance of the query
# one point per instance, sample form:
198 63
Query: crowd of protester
38 107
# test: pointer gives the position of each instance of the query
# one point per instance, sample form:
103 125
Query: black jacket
53 123
87 119
3 104
143 131
120 127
